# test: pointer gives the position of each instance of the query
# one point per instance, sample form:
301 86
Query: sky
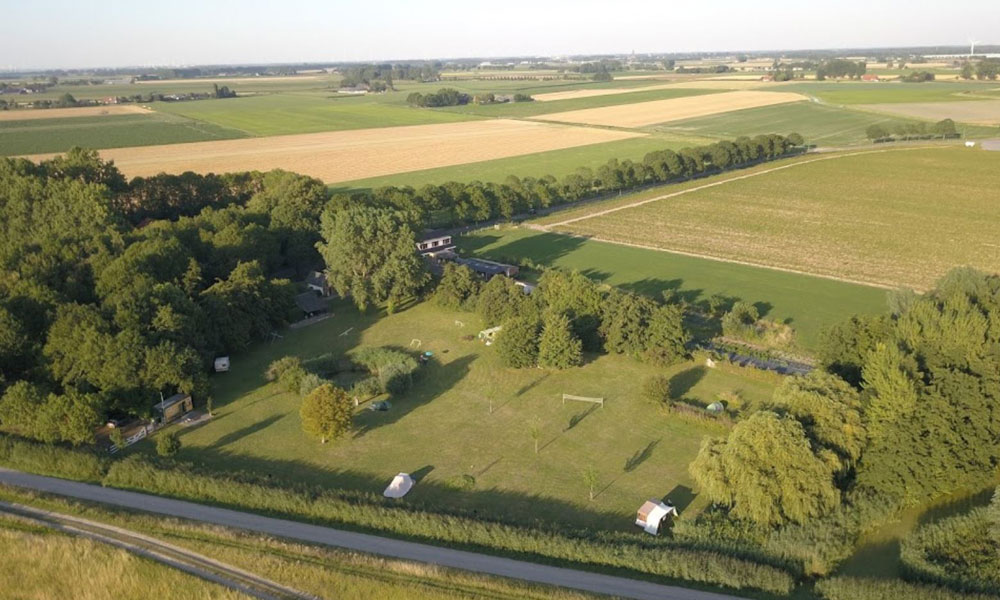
112 33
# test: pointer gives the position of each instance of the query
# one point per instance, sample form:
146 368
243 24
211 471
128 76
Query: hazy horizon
187 32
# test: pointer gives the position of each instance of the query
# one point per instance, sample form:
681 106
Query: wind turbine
972 46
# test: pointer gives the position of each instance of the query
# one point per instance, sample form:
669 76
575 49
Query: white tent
651 515
222 364
400 485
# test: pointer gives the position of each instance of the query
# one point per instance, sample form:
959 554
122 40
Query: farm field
555 162
857 92
536 108
241 85
321 571
285 114
37 136
661 111
39 563
899 217
348 155
442 428
64 113
979 112
806 303
574 94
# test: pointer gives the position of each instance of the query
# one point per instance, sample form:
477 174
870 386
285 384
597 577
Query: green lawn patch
856 92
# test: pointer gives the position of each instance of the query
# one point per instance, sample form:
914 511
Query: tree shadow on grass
234 436
580 416
544 248
640 456
475 243
683 382
682 496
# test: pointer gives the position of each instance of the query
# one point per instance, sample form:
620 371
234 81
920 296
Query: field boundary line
724 181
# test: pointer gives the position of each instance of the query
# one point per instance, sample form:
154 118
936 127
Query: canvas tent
399 486
651 515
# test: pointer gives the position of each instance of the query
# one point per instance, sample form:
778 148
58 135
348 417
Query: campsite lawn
894 217
442 428
37 136
807 303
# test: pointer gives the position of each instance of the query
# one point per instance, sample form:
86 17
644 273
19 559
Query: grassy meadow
38 136
38 563
806 303
895 217
442 429
857 92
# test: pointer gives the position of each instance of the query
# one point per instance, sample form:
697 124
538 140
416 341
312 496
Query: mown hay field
891 217
980 112
348 155
65 113
587 93
662 111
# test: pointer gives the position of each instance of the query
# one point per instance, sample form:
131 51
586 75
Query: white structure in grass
566 397
651 515
222 364
400 485
415 343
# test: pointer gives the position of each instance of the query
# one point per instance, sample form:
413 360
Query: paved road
458 559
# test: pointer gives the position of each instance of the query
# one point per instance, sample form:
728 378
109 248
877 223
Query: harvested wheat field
62 113
574 94
674 109
976 112
347 155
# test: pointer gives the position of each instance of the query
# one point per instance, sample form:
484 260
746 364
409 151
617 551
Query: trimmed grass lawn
557 163
36 136
899 217
442 428
280 114
807 303
819 124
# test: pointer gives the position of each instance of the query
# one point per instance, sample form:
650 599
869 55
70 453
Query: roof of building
168 402
309 302
316 278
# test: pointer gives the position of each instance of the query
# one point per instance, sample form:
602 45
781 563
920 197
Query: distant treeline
385 74
442 97
839 67
455 203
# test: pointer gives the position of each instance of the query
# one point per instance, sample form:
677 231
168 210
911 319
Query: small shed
222 364
651 515
173 407
399 486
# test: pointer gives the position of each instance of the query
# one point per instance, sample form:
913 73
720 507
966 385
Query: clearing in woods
661 111
347 155
893 217
980 112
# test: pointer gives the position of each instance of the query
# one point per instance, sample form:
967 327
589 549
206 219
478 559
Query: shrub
168 444
656 389
393 369
367 388
309 382
278 367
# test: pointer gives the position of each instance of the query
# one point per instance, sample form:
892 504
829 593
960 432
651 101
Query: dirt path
168 554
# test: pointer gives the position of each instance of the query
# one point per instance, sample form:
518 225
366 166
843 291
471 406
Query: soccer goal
566 397
415 343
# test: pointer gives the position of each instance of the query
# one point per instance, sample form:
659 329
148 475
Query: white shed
222 364
399 486
651 515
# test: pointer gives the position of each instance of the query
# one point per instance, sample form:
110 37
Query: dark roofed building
311 304
316 281
488 268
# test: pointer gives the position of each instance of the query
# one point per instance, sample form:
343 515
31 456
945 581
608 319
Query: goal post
566 397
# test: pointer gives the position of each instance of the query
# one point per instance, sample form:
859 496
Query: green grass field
35 136
856 92
819 124
900 217
442 429
532 109
281 114
556 162
808 304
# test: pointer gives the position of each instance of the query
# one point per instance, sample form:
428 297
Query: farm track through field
162 552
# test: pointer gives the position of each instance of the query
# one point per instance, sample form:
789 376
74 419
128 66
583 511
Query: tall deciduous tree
326 413
371 256
558 348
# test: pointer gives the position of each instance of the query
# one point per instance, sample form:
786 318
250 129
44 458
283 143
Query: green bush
656 389
277 368
959 552
168 444
393 369
856 588
360 511
47 459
